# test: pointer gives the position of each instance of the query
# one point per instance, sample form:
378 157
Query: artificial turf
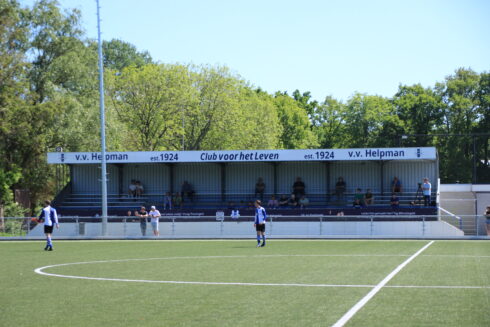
299 277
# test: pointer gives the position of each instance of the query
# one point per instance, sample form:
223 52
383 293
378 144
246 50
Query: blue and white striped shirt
260 216
49 215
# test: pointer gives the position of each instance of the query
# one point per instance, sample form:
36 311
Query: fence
442 226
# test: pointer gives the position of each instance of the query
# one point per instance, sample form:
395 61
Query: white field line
352 311
41 271
439 286
455 256
244 239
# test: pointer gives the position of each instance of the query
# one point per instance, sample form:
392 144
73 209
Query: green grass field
232 283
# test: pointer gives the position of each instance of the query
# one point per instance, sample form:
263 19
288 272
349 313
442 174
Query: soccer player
259 224
50 218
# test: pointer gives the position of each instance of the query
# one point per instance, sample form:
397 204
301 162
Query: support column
171 177
120 179
329 192
275 178
223 181
381 169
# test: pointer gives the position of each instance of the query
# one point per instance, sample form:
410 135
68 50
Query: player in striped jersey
50 218
259 223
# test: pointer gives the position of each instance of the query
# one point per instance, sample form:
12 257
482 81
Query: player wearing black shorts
50 218
259 223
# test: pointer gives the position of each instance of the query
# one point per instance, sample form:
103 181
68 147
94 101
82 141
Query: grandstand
220 178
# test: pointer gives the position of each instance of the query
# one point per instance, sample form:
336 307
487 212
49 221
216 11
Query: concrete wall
308 229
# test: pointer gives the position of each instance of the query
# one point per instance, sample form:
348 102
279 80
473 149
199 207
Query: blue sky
326 47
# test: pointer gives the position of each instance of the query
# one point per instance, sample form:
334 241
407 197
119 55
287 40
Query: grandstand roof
364 154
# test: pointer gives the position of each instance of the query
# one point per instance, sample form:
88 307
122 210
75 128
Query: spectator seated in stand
132 188
283 201
304 202
273 203
187 191
357 204
394 201
396 185
139 189
369 197
177 200
359 197
292 201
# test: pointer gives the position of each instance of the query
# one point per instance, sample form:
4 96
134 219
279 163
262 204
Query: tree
213 108
54 44
328 124
254 124
150 101
483 127
296 127
305 102
119 54
366 118
459 94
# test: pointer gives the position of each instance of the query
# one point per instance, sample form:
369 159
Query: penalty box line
352 311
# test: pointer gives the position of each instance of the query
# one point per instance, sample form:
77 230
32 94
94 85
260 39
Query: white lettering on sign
427 153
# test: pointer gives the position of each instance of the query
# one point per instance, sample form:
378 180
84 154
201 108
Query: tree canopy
49 98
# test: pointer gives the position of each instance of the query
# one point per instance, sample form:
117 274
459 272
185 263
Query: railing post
372 225
321 225
423 226
270 233
476 225
124 227
77 227
173 226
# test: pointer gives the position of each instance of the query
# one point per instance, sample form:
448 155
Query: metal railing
317 226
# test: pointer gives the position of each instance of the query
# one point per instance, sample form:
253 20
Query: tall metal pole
102 129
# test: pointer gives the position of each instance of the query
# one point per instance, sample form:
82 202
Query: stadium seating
90 204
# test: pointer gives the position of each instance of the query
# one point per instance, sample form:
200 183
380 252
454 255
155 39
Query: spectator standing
167 201
396 185
142 214
299 188
155 216
50 218
260 189
340 188
426 191
369 197
187 191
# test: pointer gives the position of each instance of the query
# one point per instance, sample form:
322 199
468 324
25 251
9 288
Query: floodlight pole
102 129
